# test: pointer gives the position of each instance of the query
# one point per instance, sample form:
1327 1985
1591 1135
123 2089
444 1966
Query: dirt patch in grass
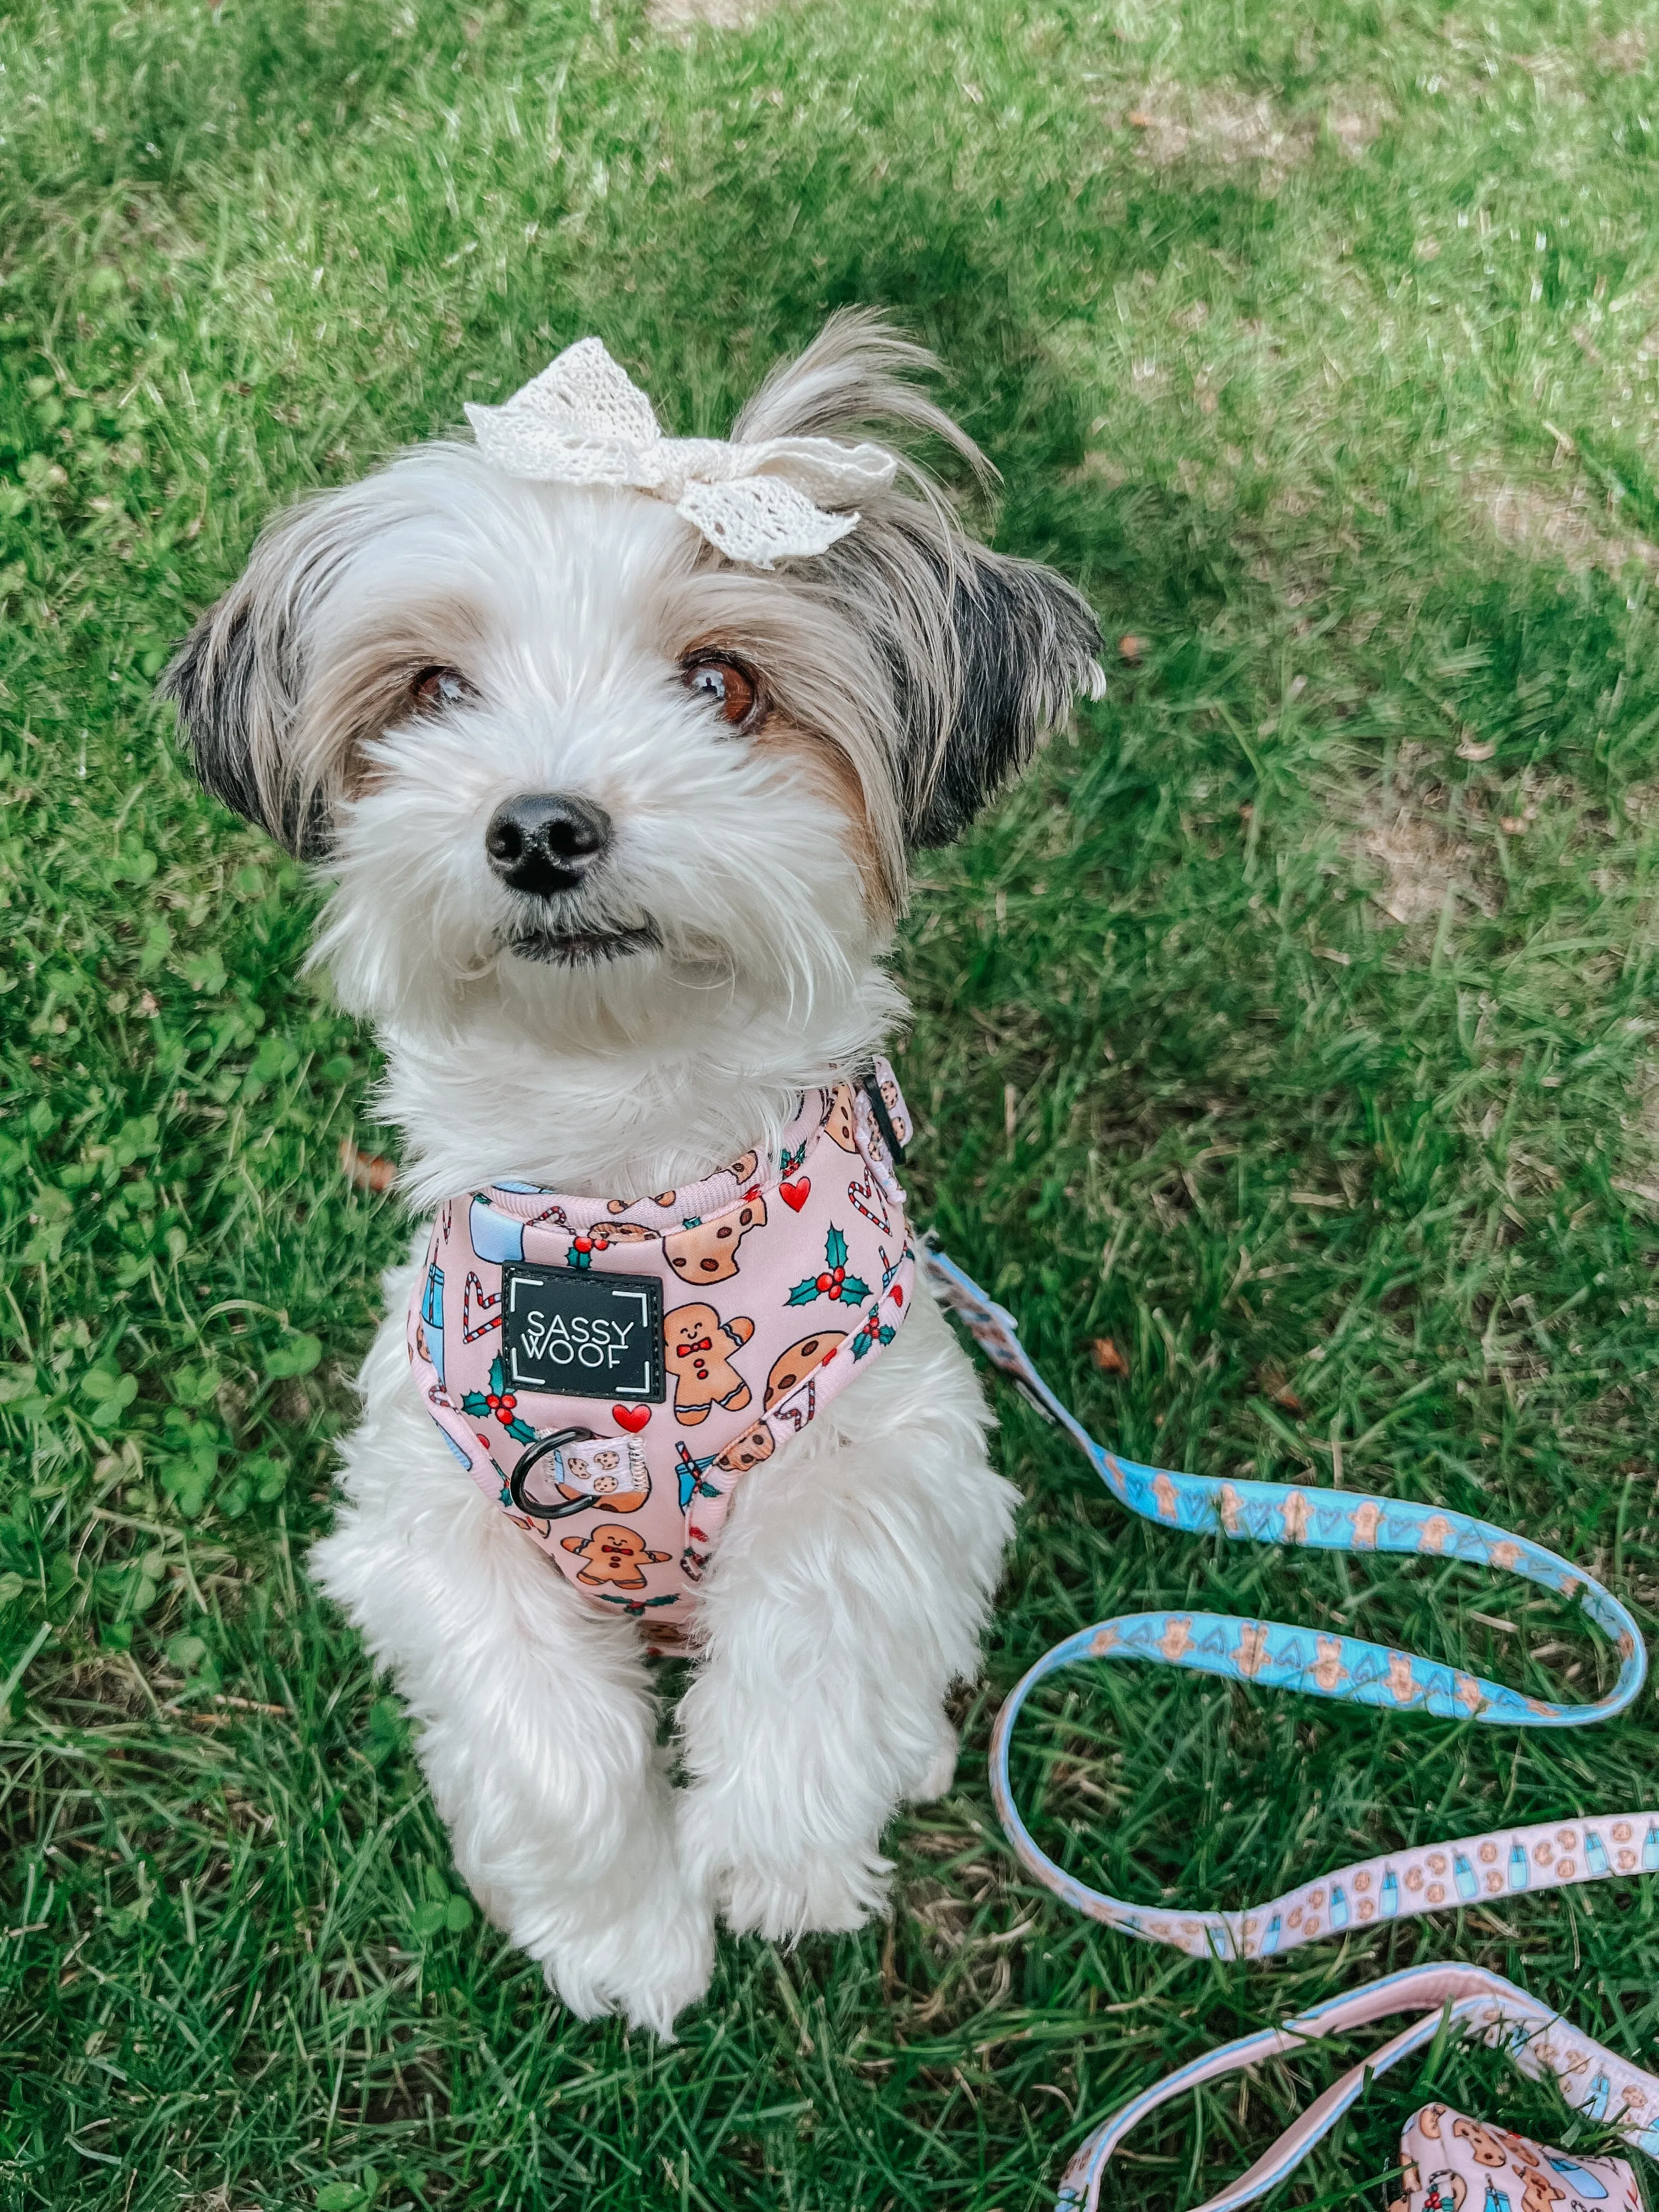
1102 468
1417 852
1221 126
1225 127
1356 127
1627 52
1419 860
1571 525
679 16
1425 835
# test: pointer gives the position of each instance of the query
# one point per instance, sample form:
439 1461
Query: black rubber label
582 1334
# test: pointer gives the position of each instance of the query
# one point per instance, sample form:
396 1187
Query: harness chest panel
609 1370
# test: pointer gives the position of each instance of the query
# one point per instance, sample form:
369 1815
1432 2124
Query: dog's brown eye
435 688
728 685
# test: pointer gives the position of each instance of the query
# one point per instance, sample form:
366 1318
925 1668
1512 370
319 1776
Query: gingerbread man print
614 1555
699 1345
1402 1683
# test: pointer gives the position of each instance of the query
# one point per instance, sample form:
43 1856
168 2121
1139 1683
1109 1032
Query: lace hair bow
583 421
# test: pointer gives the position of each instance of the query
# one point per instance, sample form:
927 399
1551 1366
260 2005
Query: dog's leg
849 1591
536 1724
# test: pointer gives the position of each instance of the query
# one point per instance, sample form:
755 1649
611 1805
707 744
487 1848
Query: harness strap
1441 1877
870 1083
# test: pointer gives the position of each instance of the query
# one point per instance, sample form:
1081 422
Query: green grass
1293 1026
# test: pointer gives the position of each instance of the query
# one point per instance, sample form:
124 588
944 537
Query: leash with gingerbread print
1397 1885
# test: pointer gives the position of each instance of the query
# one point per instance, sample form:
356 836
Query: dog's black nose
545 842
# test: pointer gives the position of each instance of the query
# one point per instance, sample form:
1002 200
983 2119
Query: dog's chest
609 1370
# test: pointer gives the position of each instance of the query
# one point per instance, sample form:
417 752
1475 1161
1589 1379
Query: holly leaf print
835 1283
502 1402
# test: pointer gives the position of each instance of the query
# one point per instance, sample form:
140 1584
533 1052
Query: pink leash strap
1432 1878
1592 2078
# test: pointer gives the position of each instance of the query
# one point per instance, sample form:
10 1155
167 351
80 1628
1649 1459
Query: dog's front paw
826 1887
648 1964
824 1894
939 1772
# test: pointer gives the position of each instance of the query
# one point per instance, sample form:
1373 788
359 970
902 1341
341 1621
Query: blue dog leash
1397 1885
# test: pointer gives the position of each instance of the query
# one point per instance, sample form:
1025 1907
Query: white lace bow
583 421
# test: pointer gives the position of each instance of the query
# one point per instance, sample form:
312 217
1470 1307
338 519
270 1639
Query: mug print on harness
612 1415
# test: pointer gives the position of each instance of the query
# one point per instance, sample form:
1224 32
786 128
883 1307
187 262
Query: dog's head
559 753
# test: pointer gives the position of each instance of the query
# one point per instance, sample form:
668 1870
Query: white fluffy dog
736 759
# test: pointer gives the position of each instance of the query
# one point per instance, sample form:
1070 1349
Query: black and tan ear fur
239 679
985 652
1027 645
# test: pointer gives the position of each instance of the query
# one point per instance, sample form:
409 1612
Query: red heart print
795 1194
898 1294
631 1418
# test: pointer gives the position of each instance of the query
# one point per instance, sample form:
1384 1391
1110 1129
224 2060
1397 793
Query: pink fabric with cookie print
1451 2163
609 1370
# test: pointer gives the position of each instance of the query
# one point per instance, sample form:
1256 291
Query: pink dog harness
608 1370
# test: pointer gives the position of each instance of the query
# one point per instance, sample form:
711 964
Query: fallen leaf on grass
1107 1357
368 1170
1270 1380
1470 748
1132 649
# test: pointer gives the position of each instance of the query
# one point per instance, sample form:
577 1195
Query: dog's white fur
909 671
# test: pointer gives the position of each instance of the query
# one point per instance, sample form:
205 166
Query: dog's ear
985 653
231 701
1026 645
237 681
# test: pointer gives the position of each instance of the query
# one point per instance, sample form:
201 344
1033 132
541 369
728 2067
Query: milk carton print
608 1472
